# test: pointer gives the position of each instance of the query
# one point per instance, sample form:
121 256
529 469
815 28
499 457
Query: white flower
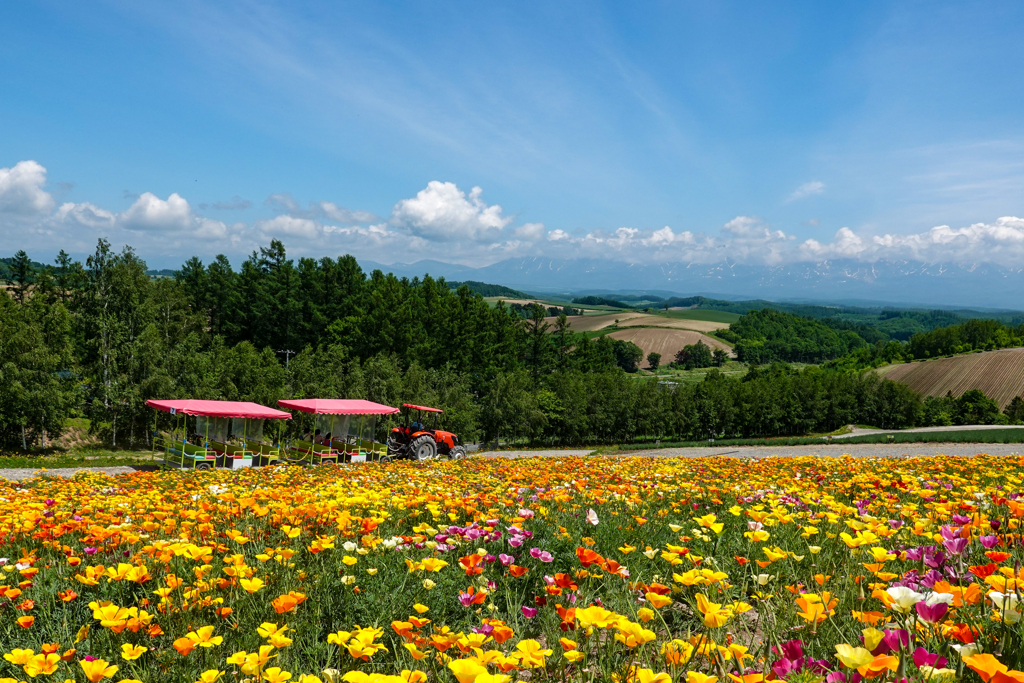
349 546
592 517
968 650
754 526
1004 601
904 598
935 598
763 579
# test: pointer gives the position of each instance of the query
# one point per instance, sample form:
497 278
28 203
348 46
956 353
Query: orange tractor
419 439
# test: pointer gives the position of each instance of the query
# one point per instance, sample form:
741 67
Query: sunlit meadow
489 570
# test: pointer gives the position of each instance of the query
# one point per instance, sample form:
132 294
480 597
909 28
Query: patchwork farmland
666 341
1000 374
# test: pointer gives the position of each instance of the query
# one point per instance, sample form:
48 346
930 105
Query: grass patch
995 435
76 458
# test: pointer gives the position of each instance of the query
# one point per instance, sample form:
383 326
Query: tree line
99 338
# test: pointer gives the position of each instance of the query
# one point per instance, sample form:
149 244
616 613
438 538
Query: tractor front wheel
423 448
457 453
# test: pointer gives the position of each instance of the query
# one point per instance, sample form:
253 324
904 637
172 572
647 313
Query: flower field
490 570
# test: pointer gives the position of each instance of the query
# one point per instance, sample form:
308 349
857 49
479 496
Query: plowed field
1000 374
666 341
592 323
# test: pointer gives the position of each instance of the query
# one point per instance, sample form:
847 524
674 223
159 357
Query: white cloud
530 232
149 212
443 212
806 190
998 242
21 190
290 226
345 216
559 236
85 214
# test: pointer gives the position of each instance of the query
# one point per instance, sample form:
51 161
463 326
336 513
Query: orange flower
97 670
68 595
879 666
287 602
26 622
986 666
517 571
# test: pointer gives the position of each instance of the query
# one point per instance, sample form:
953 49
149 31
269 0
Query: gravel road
828 451
27 473
838 450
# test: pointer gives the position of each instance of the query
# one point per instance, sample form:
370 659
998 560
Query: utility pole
288 353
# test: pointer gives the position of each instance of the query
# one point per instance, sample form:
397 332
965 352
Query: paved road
828 451
857 431
838 450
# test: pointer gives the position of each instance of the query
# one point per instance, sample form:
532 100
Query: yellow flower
647 676
132 652
530 653
853 657
275 675
420 609
203 637
209 676
428 584
19 657
252 585
97 670
466 670
697 677
43 664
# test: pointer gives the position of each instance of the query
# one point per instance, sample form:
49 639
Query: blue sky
754 131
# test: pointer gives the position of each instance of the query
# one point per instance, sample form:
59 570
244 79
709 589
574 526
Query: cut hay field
593 323
666 341
1000 374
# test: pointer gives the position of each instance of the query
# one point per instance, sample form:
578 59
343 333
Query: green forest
99 338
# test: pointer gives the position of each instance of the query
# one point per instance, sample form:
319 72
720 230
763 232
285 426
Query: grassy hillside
1000 374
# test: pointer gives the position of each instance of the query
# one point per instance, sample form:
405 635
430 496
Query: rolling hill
666 341
1000 374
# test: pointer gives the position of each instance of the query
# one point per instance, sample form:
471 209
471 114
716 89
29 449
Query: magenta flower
529 612
988 542
931 613
506 559
924 658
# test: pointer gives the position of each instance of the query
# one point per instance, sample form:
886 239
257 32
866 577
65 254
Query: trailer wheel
204 466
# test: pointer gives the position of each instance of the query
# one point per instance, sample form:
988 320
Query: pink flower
542 555
506 559
526 513
529 612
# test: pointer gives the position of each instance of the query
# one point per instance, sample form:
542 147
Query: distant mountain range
896 282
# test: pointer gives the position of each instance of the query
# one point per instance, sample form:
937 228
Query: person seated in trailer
307 435
317 438
327 439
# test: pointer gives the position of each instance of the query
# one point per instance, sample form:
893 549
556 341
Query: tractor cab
419 438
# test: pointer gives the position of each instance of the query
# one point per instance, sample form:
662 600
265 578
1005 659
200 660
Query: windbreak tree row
99 338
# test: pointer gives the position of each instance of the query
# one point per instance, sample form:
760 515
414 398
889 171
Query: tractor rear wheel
423 448
457 453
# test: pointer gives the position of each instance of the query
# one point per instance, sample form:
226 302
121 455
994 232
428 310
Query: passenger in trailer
318 439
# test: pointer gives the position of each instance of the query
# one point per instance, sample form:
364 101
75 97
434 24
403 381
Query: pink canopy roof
338 406
219 409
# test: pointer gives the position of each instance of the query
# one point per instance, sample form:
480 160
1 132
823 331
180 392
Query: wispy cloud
806 190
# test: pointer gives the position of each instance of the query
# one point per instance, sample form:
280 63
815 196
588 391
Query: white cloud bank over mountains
442 221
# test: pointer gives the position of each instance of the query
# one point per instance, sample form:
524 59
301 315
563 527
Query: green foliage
768 335
972 335
972 407
694 356
1014 411
627 355
484 289
599 301
653 361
